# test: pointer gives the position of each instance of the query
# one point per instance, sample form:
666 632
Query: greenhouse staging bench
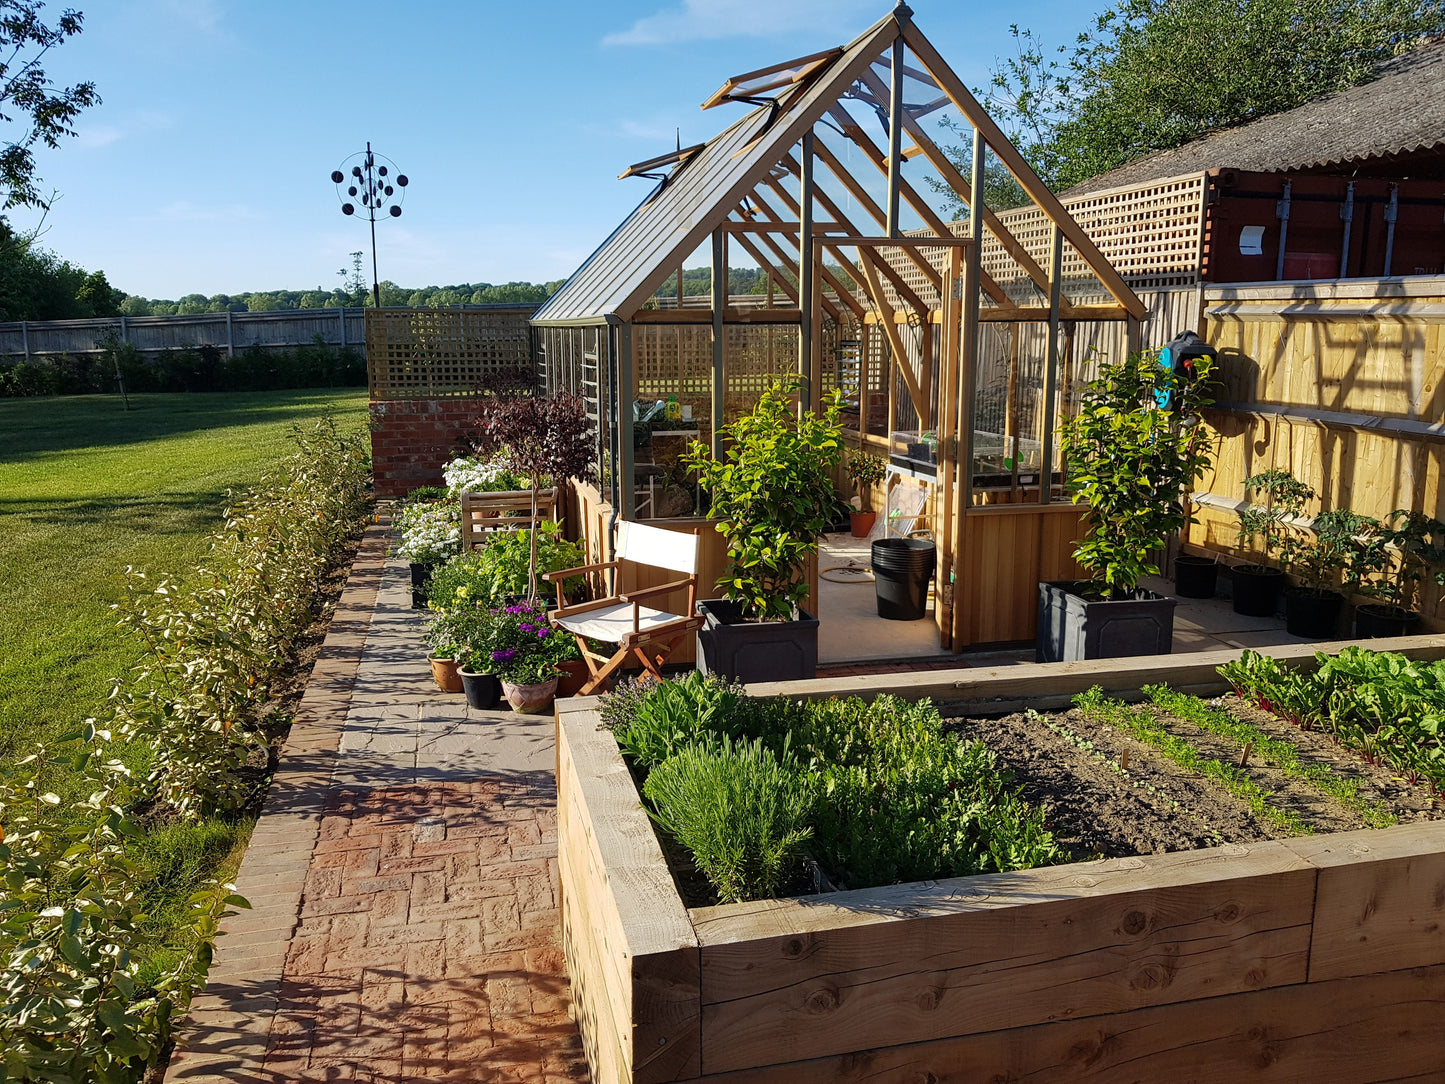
1319 957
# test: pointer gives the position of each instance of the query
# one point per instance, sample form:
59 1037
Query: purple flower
527 626
542 634
520 608
505 655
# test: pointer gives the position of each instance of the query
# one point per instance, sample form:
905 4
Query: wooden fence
1341 383
228 331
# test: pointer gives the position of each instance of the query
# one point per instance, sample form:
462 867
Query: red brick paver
428 943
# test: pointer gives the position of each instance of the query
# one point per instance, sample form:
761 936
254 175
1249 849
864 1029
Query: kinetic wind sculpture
374 180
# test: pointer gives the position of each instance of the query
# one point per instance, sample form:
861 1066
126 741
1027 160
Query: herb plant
772 495
1134 462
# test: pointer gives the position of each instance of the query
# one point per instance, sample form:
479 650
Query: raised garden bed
1271 959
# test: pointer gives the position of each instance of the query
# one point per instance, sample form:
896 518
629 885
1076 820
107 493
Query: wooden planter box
1320 958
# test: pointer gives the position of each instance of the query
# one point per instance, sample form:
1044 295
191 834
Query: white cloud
704 20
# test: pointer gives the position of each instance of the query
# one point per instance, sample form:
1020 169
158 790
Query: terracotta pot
863 523
444 673
530 699
574 676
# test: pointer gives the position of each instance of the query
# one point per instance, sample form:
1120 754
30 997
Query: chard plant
1133 453
772 495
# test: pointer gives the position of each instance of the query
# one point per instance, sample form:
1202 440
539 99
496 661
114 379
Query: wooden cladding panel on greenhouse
443 353
1316 958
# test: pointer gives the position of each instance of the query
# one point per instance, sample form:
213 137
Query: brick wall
412 438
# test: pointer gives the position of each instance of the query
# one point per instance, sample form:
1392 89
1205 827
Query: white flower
430 533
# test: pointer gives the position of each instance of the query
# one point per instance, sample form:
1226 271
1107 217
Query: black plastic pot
1195 577
1256 589
902 568
420 580
1073 626
484 691
1312 613
1373 621
750 651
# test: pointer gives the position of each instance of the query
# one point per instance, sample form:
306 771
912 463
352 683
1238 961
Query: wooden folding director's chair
621 619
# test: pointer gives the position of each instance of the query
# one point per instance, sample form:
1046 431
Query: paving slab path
403 881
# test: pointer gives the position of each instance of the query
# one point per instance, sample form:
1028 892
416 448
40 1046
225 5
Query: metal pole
1281 212
1051 366
1347 213
895 135
1392 214
805 273
719 303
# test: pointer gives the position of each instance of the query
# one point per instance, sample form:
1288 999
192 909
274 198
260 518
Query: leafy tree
98 296
32 109
1150 75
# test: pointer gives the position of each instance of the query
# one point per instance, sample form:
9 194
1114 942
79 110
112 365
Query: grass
87 488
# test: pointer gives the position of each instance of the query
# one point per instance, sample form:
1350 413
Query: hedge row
202 368
72 1007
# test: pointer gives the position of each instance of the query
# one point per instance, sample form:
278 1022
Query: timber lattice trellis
444 353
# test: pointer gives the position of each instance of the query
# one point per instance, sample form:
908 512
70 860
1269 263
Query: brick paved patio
404 922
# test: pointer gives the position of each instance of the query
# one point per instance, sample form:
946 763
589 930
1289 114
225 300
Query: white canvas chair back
644 545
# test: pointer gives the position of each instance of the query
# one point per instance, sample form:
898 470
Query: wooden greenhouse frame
919 305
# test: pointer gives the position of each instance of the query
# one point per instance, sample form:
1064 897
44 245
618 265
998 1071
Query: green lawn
87 488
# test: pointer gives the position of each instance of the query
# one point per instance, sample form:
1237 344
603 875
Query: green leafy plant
1133 461
1277 500
742 812
864 471
772 495
1411 552
1142 726
524 648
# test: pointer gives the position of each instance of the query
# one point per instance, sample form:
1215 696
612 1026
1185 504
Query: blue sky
205 170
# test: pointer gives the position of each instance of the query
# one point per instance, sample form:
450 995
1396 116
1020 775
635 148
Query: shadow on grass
69 423
196 512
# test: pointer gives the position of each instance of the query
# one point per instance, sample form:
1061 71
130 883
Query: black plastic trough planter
1072 627
1195 577
750 651
1256 589
1312 613
420 581
1373 621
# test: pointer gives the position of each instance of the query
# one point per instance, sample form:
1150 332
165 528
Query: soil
1108 795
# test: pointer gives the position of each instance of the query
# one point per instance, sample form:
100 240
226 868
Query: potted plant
441 638
542 437
431 533
1315 556
526 656
864 471
1132 452
475 627
1276 499
772 496
1418 545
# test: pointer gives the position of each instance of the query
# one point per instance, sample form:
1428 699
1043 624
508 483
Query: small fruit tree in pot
541 436
1133 452
864 471
772 494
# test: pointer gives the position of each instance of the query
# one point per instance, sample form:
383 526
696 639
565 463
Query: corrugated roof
1400 112
701 193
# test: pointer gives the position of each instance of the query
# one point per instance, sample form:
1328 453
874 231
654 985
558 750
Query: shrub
498 570
740 810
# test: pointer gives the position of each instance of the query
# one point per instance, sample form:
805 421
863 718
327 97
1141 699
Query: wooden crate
1320 958
486 514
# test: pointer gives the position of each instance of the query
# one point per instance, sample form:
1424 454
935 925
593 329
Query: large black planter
420 580
902 569
1373 621
751 651
1256 589
484 691
1312 613
1195 577
1073 627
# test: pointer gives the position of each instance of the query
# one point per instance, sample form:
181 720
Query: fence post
25 339
342 310
124 331
230 340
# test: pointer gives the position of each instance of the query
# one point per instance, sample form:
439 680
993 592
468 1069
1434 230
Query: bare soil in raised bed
1108 795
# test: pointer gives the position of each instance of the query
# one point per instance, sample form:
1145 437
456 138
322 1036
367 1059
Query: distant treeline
741 280
466 293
